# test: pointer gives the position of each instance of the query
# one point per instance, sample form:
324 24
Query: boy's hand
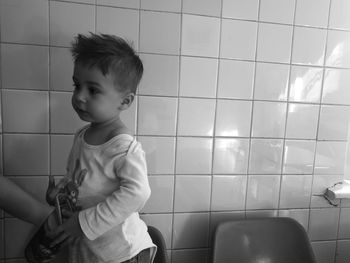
68 230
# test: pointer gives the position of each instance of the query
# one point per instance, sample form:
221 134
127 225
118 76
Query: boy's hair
110 54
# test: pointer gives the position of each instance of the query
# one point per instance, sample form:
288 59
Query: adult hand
68 230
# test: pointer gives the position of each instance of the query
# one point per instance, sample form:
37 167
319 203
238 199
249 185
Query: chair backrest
158 240
273 240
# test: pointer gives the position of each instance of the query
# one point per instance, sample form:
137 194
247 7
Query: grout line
318 125
49 89
287 108
214 128
318 122
252 112
176 133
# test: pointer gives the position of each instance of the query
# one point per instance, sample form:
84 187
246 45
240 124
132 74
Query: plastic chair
265 240
158 240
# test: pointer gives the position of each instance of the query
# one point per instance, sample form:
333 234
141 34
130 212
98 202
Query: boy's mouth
80 111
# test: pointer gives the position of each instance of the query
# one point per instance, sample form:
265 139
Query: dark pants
143 257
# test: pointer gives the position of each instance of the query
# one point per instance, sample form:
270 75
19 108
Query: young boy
112 174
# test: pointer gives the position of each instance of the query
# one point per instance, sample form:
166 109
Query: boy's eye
93 90
76 86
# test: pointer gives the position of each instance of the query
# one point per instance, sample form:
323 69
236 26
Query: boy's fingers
54 233
66 213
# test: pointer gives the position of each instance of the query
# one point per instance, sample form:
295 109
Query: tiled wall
243 110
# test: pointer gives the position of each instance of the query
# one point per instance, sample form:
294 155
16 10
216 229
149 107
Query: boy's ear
127 101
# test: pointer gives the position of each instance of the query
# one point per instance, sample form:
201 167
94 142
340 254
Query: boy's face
95 97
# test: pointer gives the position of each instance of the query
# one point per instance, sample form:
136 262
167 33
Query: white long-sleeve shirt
113 191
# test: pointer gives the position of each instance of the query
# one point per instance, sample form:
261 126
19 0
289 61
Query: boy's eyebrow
88 82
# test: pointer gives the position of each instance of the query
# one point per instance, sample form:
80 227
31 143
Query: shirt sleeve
132 195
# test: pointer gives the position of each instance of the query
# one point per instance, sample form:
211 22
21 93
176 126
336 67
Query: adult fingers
59 240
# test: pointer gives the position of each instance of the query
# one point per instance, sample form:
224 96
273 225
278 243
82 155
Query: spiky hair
110 54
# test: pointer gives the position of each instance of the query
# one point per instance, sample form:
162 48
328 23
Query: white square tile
305 84
192 193
309 46
160 32
61 69
200 36
233 118
323 224
269 119
302 121
190 230
25 111
274 43
235 79
162 5
198 77
261 213
238 39
298 157
336 86
324 251
277 11
63 118
271 81
161 76
60 146
18 60
26 154
295 191
162 192
24 21
265 156
196 117
330 157
202 7
113 20
160 154
120 3
64 25
339 14
263 191
305 13
231 156
228 193
334 123
338 49
241 9
157 115
189 147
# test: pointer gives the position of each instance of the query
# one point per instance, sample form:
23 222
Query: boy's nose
79 96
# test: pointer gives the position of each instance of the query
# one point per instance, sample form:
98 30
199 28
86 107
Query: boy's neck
99 133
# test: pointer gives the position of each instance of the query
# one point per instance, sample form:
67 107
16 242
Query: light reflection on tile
305 84
231 156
